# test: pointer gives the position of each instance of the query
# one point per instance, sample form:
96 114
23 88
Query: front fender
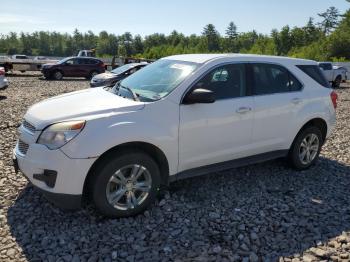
148 125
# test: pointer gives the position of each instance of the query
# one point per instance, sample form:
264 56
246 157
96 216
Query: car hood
104 76
84 104
49 64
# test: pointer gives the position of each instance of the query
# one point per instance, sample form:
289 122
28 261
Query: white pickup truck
334 74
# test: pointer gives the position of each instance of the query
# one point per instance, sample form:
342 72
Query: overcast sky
158 16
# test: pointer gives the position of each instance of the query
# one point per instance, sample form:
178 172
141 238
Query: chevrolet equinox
182 116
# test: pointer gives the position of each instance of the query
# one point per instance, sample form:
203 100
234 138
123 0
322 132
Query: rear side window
315 73
271 79
93 62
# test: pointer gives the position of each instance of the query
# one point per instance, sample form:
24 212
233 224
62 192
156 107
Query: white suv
179 117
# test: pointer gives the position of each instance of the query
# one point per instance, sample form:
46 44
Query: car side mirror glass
199 96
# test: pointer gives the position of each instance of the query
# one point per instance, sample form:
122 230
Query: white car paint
332 72
190 136
3 81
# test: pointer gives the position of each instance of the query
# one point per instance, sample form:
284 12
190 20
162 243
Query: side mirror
199 96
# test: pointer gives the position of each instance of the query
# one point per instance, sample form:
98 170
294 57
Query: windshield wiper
134 95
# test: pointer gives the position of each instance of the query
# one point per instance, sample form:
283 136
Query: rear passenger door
278 98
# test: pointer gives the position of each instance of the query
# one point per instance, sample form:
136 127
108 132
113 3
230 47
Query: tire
296 152
114 198
92 74
57 75
337 82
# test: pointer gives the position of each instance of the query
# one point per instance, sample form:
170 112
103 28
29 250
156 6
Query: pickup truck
334 75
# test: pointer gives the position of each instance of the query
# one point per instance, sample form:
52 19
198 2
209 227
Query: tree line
326 40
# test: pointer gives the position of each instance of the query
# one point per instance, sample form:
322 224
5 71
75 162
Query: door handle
297 100
243 110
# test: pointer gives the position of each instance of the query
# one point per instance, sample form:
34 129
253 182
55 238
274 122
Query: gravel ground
264 212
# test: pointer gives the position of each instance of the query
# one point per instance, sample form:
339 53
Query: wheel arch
155 152
317 122
55 70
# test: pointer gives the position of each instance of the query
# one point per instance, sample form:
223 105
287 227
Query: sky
145 17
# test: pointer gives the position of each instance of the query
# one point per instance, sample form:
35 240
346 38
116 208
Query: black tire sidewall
54 75
105 171
294 151
337 81
91 74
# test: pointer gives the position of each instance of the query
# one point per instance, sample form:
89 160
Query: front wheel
58 75
306 148
126 184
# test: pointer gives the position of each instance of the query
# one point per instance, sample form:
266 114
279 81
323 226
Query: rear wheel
126 184
58 75
306 148
92 74
337 81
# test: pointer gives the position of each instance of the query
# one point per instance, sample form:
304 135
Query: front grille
22 147
28 126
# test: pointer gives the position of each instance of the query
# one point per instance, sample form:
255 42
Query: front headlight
57 135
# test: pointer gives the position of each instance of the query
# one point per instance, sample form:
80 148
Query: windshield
122 69
159 78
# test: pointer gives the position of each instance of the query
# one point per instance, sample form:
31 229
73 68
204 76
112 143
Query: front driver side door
221 131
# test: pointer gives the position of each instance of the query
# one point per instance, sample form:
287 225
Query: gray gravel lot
264 212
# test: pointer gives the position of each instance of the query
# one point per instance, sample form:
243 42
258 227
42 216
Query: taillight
334 98
2 72
102 65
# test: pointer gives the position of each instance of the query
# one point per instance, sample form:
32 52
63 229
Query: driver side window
226 81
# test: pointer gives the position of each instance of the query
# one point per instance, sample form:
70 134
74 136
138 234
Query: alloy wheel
58 75
308 149
129 187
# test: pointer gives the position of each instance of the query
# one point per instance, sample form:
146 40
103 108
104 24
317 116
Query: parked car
20 57
73 67
40 58
4 57
334 76
117 74
344 72
3 81
180 116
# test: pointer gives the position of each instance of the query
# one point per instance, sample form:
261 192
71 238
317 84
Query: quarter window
226 81
315 73
325 66
270 79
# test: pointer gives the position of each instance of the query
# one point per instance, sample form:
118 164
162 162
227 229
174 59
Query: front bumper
4 84
59 177
64 201
46 72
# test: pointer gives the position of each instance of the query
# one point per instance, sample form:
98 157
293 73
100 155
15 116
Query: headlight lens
57 135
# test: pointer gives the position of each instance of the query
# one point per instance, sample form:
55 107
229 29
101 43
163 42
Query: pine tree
330 19
212 38
231 31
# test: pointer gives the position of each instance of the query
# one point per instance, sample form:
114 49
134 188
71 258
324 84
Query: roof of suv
203 58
